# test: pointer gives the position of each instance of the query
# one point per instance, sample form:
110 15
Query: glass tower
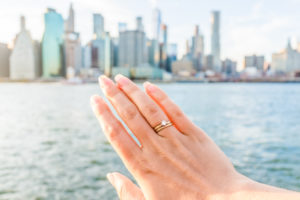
52 44
215 40
98 26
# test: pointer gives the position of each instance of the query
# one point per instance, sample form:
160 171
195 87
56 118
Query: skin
179 162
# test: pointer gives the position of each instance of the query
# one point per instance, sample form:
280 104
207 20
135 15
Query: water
51 146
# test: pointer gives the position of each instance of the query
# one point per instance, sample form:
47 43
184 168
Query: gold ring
164 124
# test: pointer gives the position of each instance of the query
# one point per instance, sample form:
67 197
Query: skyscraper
72 46
156 35
52 44
99 31
122 26
215 40
198 49
164 48
132 47
98 44
139 24
23 60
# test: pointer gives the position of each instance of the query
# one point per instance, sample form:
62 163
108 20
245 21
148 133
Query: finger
125 188
180 120
149 109
127 110
122 142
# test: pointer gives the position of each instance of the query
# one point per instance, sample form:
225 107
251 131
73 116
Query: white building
24 60
288 60
215 40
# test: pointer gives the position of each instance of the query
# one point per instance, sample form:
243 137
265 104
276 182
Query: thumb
125 188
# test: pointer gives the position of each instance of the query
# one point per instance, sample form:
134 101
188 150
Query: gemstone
163 123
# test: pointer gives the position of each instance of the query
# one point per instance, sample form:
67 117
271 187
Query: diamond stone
163 123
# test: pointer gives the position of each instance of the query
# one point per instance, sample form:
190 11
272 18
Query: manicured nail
111 178
121 80
149 87
104 81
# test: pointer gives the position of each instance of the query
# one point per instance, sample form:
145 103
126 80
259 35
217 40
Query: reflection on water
51 146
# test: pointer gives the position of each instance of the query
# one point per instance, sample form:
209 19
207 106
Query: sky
247 27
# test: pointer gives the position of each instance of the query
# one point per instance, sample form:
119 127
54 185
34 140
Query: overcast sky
247 26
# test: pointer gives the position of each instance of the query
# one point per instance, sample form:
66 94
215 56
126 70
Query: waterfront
51 146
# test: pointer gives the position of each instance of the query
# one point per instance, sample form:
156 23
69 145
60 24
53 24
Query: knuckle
177 112
129 112
112 132
132 90
112 92
151 109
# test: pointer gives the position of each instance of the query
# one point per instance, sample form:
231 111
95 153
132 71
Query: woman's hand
178 162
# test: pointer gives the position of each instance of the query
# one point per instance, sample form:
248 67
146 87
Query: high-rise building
72 46
98 44
87 56
156 35
139 24
255 61
115 51
215 40
132 47
198 49
209 62
229 67
122 26
70 22
24 60
4 60
99 31
108 55
287 61
164 49
52 44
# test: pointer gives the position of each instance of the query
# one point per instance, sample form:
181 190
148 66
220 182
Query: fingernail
149 87
111 178
121 80
104 81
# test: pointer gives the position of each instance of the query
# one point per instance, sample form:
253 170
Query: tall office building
87 56
4 60
198 49
98 44
24 60
255 61
132 47
156 35
139 24
52 44
72 46
108 55
99 31
164 48
122 27
215 40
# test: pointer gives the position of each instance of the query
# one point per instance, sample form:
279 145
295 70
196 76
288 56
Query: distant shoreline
192 80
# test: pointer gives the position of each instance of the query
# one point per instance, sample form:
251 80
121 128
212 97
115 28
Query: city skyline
267 29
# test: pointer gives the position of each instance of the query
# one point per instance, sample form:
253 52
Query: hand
179 162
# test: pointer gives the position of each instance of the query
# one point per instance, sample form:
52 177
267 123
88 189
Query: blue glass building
52 44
